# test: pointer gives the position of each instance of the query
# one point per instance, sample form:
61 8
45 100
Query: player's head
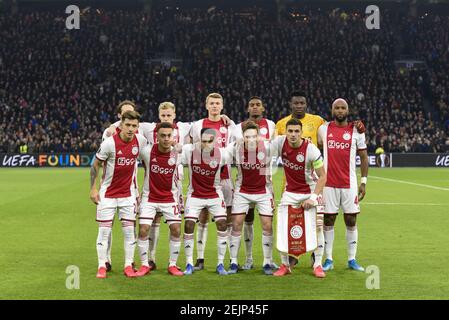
126 105
164 132
207 139
130 123
255 107
340 110
167 112
298 103
250 134
293 130
214 104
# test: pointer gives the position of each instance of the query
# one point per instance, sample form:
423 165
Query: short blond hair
167 105
214 95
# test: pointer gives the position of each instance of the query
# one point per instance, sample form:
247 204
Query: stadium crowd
59 88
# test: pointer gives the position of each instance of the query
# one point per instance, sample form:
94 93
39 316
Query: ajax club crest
296 232
135 150
347 136
300 157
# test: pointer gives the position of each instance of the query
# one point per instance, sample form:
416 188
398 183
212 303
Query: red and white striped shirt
340 145
160 174
120 169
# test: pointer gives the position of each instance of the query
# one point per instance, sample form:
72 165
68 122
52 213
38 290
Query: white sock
229 231
222 243
248 230
235 246
175 247
154 238
188 248
109 247
201 239
352 239
267 248
143 251
320 248
102 245
129 240
284 260
328 241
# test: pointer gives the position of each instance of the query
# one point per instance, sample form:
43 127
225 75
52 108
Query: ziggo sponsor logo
157 169
253 166
291 165
332 144
125 162
203 172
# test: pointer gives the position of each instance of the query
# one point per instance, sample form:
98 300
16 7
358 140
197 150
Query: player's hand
111 131
360 126
138 200
308 204
226 119
94 196
178 147
362 191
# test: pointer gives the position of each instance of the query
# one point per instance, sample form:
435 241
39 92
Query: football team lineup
305 221
53 197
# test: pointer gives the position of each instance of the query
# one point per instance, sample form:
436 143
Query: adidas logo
330 135
231 246
247 240
266 244
99 244
200 241
188 246
176 252
154 160
224 242
354 242
120 152
285 154
144 254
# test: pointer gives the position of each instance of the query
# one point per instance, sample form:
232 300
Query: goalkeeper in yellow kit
310 125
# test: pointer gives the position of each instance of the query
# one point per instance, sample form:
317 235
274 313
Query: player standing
225 133
253 187
341 142
267 130
205 161
160 194
117 191
301 160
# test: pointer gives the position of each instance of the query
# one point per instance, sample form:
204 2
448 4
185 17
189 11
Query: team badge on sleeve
213 164
171 161
264 131
260 156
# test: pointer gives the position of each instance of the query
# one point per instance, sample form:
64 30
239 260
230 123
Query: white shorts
336 198
228 189
148 210
263 202
290 198
107 207
216 207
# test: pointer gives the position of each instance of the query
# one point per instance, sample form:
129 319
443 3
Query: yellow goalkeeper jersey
310 125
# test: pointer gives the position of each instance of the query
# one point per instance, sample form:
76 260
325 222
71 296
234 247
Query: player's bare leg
175 247
142 244
153 240
222 243
129 239
329 222
352 239
318 253
236 237
248 233
189 243
104 231
201 239
267 243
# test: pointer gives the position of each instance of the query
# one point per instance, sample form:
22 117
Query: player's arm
359 126
226 119
111 130
364 165
318 166
94 169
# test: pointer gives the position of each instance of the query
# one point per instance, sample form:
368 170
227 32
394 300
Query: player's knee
350 220
221 225
267 227
128 223
189 226
329 220
175 230
144 231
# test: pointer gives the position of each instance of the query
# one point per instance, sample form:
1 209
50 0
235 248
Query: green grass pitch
48 223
